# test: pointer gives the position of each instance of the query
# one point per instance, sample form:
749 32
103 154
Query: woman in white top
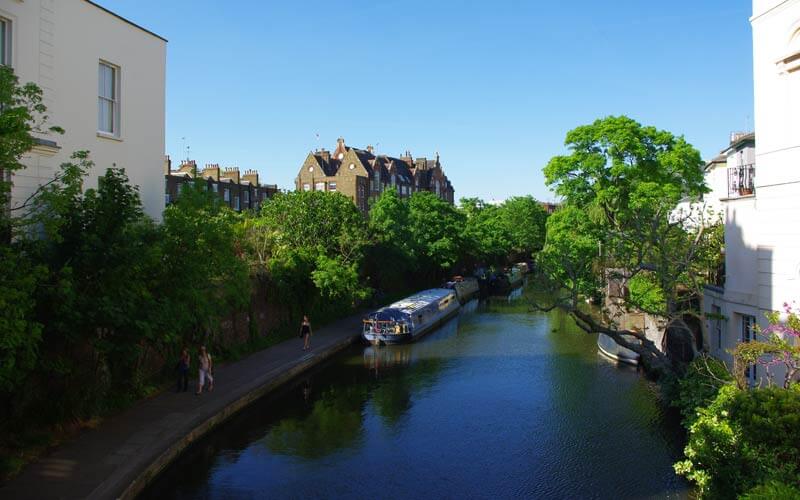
206 366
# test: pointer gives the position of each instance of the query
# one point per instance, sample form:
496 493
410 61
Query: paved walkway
121 456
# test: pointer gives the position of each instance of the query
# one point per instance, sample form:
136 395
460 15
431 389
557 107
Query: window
306 187
320 186
5 41
264 195
246 197
748 334
331 186
108 99
236 203
226 195
215 187
167 199
718 324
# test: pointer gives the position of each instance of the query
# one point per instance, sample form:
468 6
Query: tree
486 234
22 113
310 245
625 180
437 229
524 219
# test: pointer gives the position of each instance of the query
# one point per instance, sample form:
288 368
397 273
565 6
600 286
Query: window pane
3 40
106 82
105 115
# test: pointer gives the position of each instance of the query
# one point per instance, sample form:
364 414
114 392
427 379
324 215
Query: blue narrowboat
408 319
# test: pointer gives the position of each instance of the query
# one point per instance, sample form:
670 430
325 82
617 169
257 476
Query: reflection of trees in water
333 423
332 417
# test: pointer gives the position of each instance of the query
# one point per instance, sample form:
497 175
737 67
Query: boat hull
610 349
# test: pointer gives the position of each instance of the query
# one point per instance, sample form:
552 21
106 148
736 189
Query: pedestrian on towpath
305 333
183 371
206 368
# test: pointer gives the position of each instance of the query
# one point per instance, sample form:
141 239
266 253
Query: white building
762 233
103 79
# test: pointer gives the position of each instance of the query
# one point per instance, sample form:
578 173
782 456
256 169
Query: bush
704 378
744 439
772 491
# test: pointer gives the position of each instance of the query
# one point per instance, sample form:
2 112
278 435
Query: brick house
240 192
362 176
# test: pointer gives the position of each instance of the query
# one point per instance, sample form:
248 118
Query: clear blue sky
493 86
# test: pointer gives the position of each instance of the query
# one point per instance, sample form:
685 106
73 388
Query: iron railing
741 181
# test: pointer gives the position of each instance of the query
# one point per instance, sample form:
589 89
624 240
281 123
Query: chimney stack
188 167
231 173
325 154
167 165
370 149
251 176
211 170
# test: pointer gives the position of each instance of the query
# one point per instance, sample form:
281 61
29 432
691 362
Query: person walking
206 367
305 333
183 371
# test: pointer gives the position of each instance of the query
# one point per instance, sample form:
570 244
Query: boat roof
420 300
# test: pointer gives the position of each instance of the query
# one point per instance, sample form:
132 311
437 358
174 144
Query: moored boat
466 288
609 348
410 318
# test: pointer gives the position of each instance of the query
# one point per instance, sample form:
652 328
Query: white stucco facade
762 234
59 45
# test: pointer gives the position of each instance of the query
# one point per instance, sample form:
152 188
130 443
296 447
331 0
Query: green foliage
310 246
22 112
620 165
437 232
744 439
699 386
571 250
774 490
20 333
646 294
525 220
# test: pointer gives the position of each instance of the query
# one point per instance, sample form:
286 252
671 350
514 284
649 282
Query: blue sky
492 86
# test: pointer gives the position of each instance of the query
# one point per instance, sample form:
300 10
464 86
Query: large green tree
621 182
437 232
310 246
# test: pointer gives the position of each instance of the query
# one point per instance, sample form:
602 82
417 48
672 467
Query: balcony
741 181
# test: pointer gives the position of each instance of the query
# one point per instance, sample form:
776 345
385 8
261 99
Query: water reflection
498 402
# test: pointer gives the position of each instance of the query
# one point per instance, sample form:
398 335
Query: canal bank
122 455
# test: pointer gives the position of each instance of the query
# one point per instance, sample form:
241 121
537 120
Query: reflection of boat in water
608 347
410 318
376 357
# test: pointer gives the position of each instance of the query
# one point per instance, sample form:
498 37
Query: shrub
704 378
744 439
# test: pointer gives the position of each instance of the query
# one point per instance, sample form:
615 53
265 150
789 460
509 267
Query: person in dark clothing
183 371
305 333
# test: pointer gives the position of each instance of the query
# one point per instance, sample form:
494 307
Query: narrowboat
466 288
408 319
609 348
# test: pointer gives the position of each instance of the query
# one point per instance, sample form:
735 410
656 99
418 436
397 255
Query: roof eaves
125 20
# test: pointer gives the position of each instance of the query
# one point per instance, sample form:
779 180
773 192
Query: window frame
319 186
115 101
6 54
332 186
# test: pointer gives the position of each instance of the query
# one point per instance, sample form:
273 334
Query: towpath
122 455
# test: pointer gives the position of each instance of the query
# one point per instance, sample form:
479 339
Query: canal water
498 403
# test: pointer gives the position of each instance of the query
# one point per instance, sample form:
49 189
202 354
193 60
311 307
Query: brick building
362 175
240 192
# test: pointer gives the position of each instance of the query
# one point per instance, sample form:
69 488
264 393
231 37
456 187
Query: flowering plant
779 345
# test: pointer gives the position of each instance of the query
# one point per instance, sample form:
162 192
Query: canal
499 402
